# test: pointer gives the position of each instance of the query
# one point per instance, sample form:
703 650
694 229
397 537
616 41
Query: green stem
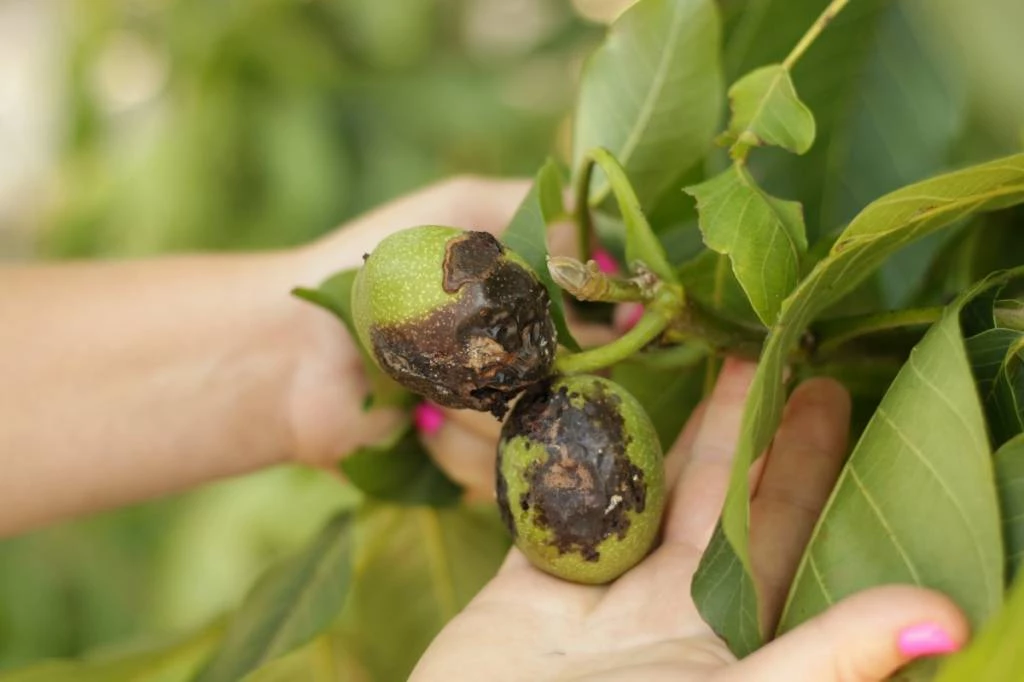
586 282
831 334
650 327
641 243
584 220
823 20
696 324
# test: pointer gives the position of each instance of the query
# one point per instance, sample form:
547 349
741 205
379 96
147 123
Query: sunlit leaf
767 111
652 92
400 471
288 606
527 236
883 227
173 662
915 502
995 655
415 569
335 295
1009 465
763 236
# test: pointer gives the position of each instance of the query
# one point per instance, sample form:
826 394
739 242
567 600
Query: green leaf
669 384
331 657
903 116
915 502
335 295
1009 465
527 236
996 359
173 662
709 279
826 76
400 471
652 92
642 244
415 569
288 606
767 111
995 655
883 227
763 236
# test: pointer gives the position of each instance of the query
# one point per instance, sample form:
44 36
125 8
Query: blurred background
135 127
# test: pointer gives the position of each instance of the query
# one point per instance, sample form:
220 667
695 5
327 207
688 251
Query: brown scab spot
469 258
480 351
584 490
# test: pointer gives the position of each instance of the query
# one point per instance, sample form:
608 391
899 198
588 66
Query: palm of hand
526 625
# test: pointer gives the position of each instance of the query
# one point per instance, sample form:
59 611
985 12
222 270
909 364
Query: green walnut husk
580 479
454 316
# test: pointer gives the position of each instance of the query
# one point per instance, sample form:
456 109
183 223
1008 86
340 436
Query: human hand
527 625
326 401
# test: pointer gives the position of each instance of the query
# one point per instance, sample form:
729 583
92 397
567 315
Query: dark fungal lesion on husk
480 351
585 488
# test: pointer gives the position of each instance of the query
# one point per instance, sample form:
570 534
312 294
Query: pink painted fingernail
428 418
926 639
605 261
634 311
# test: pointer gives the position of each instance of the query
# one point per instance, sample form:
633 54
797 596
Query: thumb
864 638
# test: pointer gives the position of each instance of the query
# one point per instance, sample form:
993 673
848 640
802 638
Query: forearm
124 381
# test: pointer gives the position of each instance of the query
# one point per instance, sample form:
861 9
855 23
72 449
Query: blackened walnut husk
583 491
493 340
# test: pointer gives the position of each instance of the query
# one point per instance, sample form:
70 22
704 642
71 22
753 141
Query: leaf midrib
337 546
657 84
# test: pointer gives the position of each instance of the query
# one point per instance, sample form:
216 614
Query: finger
465 457
696 501
799 472
864 638
480 424
675 459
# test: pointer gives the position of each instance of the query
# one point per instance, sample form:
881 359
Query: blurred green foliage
264 123
256 124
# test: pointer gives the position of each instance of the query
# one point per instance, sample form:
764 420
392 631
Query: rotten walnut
580 478
454 316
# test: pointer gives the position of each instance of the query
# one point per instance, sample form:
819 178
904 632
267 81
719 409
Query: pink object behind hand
428 417
605 261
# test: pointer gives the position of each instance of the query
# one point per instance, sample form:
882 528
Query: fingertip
821 392
865 637
465 458
741 368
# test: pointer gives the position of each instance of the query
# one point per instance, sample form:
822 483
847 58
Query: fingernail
605 261
926 639
428 418
634 311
